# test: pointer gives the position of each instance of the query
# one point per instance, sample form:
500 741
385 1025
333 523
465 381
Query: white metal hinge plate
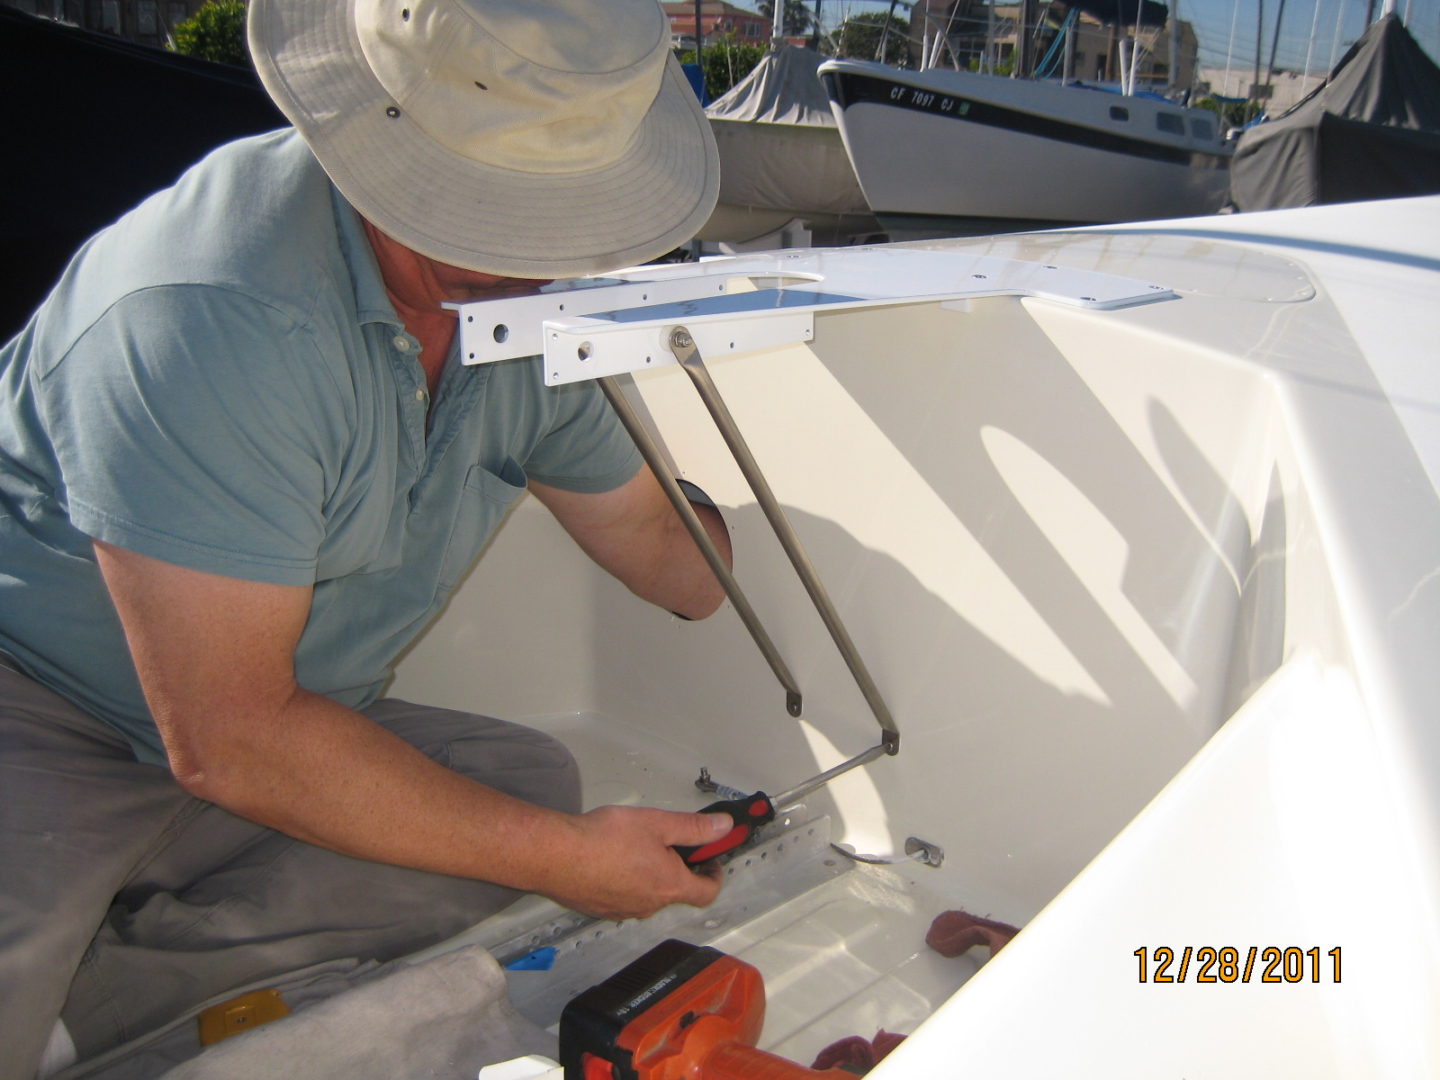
606 327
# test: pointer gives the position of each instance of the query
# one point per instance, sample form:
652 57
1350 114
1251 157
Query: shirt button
402 343
420 395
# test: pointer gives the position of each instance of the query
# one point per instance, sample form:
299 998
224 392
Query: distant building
1095 46
717 19
148 22
1280 91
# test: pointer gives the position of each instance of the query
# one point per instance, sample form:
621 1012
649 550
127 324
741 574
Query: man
241 467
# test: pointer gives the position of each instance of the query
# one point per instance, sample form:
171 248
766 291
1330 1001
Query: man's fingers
696 830
706 880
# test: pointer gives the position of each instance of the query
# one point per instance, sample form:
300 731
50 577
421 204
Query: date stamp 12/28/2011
1228 964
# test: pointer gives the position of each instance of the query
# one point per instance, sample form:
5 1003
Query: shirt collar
371 302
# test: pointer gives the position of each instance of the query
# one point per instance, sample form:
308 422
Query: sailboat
959 145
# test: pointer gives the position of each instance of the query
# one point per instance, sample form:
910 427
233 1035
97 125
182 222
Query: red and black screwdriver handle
748 814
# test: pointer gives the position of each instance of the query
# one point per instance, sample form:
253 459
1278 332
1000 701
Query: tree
726 63
798 19
215 32
1232 113
859 36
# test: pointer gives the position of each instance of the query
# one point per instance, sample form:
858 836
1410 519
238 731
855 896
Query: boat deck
840 942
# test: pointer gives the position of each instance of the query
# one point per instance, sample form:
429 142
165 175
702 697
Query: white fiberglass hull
946 143
1151 593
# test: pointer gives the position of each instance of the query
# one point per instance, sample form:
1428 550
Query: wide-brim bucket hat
523 138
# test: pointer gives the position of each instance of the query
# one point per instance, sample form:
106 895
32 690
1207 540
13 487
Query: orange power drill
680 1011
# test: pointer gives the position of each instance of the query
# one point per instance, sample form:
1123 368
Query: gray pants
124 901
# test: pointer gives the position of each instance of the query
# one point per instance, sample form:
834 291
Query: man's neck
412 286
418 286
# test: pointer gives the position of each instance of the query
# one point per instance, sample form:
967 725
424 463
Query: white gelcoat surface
1078 550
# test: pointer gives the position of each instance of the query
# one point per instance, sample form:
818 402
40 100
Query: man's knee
528 764
512 758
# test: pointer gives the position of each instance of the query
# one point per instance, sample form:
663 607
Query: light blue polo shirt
219 381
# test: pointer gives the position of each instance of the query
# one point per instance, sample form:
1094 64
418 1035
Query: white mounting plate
602 327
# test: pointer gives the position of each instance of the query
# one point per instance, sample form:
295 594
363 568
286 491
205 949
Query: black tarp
1371 131
92 126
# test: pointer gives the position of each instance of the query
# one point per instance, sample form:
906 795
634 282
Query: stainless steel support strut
682 345
651 453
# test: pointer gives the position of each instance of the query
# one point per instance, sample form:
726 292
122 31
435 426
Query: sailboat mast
1132 76
1175 46
1254 94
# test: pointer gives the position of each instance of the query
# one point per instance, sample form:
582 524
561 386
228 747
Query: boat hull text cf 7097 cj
954 144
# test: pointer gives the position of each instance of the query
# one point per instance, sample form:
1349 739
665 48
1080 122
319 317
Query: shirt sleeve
190 424
586 448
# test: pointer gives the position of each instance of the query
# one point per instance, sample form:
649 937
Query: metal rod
683 346
805 787
651 453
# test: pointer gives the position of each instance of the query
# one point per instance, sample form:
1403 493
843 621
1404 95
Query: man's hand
628 868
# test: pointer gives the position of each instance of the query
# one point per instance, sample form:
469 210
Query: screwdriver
749 812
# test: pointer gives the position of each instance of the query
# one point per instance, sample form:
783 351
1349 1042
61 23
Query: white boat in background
781 157
955 144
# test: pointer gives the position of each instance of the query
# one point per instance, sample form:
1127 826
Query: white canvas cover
779 146
784 88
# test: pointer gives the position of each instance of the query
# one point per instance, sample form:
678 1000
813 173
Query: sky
1312 32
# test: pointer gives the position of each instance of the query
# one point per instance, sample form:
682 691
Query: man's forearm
700 589
327 775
